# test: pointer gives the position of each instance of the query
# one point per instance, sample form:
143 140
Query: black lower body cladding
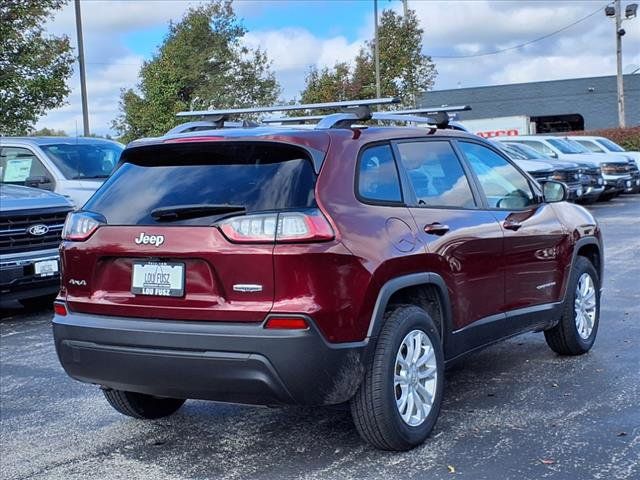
226 362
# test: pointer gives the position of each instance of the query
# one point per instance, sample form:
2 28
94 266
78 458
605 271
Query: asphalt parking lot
515 410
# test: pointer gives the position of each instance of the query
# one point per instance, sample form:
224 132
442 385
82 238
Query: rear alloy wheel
140 405
398 402
416 377
577 329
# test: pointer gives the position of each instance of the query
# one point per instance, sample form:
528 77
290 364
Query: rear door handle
436 228
511 225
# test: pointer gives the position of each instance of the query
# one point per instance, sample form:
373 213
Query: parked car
331 264
590 175
31 222
613 170
633 184
542 168
604 145
73 167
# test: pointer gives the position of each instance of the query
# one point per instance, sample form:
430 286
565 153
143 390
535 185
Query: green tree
48 132
34 68
327 84
405 71
200 64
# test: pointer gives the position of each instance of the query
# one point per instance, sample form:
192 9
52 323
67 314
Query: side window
436 174
591 146
378 176
504 186
18 164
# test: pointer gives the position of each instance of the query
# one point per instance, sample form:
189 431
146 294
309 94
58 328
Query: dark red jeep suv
317 266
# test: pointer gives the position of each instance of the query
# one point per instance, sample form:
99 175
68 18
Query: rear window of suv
255 176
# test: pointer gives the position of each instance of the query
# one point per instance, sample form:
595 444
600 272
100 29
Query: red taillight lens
286 227
60 309
80 225
290 323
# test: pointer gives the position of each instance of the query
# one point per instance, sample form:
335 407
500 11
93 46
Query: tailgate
98 274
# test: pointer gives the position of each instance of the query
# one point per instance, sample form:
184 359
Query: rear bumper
226 362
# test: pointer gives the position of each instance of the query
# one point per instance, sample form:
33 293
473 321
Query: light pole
377 51
629 13
83 80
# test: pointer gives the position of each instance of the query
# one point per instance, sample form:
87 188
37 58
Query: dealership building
554 106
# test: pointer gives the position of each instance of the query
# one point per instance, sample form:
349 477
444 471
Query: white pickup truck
72 167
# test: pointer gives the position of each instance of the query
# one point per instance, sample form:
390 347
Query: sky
297 34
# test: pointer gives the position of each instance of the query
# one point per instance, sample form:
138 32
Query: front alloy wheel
585 305
576 331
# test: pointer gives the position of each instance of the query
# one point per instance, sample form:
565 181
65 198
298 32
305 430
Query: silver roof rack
444 108
351 112
288 108
385 116
438 116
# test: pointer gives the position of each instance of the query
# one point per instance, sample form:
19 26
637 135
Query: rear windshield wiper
177 212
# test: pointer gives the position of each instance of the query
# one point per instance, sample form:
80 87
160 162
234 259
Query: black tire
39 303
564 338
139 405
373 408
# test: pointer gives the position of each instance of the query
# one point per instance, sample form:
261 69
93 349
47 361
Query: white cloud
473 27
109 17
297 48
103 92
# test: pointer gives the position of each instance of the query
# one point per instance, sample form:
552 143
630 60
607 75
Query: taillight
80 225
283 227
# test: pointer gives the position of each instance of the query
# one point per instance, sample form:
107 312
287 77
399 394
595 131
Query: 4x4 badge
144 239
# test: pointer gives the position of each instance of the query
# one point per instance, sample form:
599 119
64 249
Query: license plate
162 279
628 183
46 268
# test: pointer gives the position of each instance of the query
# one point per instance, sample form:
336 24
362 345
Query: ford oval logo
38 230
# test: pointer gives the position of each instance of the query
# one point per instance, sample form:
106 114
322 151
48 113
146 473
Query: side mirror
36 181
553 191
39 182
553 155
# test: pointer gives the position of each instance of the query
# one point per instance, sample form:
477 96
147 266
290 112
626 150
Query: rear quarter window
378 179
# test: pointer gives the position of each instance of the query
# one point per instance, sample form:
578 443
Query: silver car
73 167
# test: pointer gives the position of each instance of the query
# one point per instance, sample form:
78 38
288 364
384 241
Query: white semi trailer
501 126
